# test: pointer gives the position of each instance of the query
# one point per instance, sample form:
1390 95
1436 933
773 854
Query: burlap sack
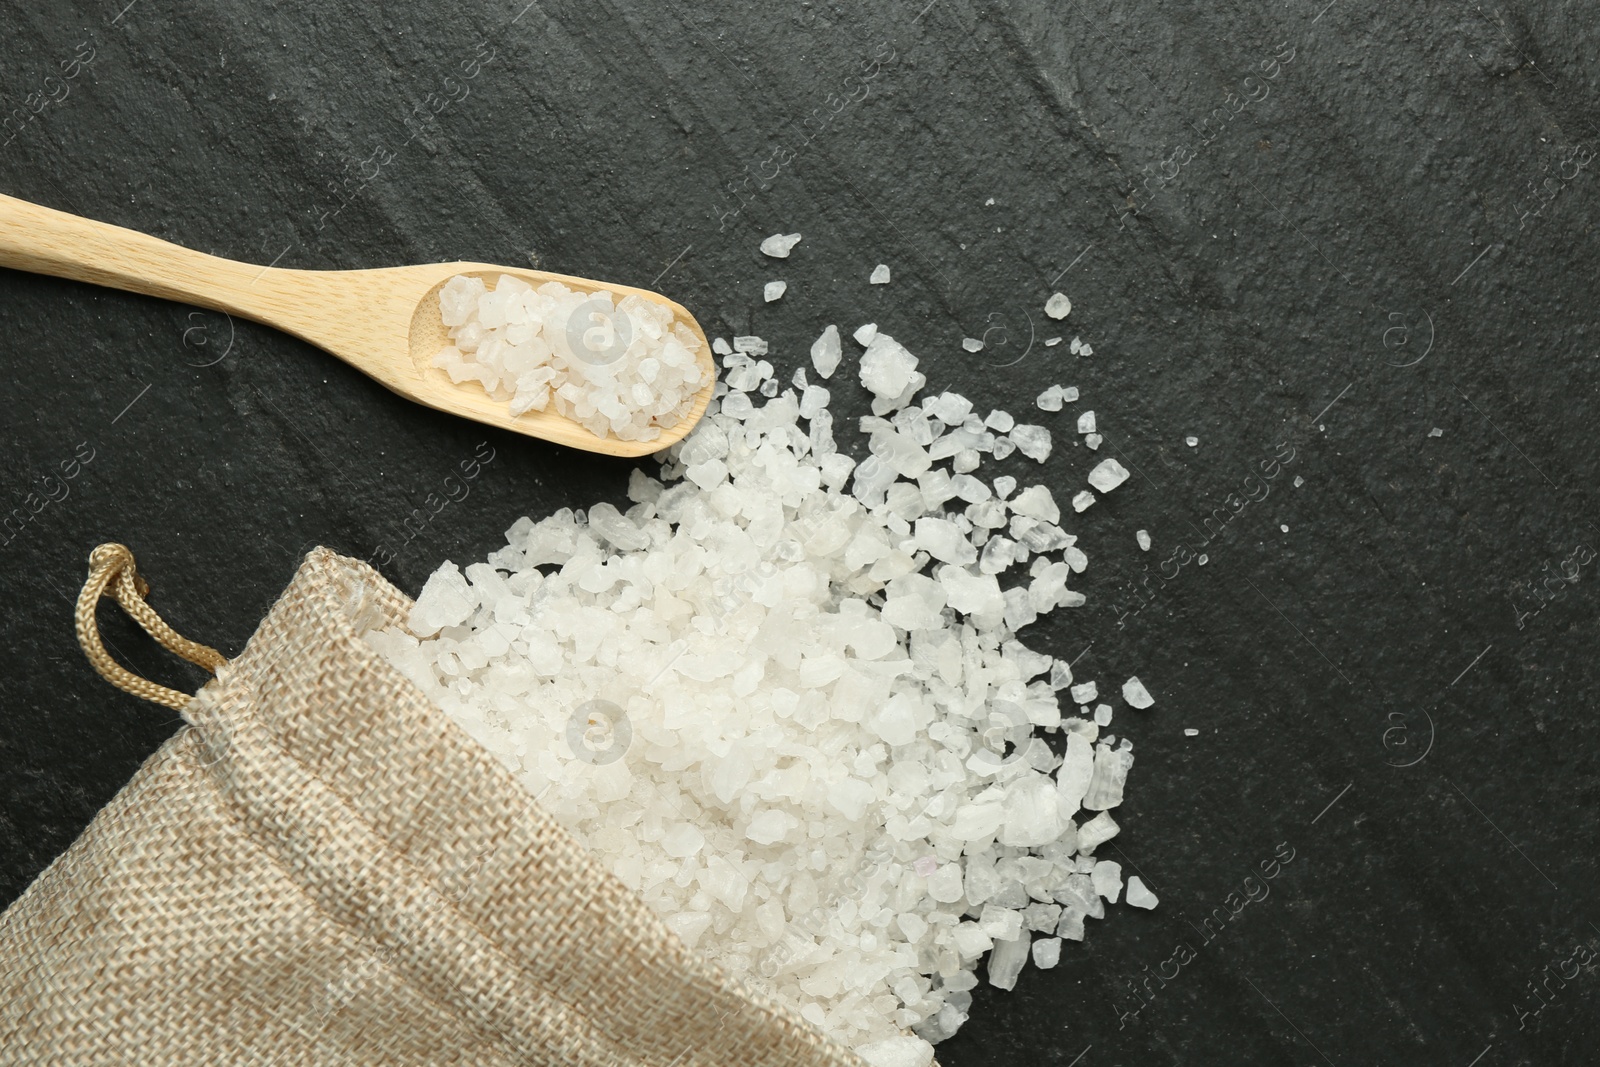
321 868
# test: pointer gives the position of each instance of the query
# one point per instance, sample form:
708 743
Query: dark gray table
1354 233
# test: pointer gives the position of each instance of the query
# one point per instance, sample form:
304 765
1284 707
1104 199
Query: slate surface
1303 229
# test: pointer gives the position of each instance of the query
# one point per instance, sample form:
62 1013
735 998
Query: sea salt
971 344
1139 896
623 369
773 290
1107 475
880 274
783 697
779 245
1082 500
1058 306
1143 537
1050 399
1134 692
1086 422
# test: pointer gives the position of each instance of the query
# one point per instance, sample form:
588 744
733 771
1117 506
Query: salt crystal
1139 896
1191 732
1046 953
826 352
1031 441
1096 832
880 274
1134 692
896 1052
1298 481
1436 432
773 290
721 347
1070 393
1143 537
1086 422
1093 440
750 345
1107 879
1191 441
1050 399
1058 306
1107 475
1084 692
1102 715
1000 421
1004 485
779 245
1006 960
1051 342
865 334
971 344
1082 500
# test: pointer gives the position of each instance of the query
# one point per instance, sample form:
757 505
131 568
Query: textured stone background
1307 228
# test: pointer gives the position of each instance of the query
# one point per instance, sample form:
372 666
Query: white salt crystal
897 1052
445 600
1004 485
1107 879
1082 500
1058 306
1436 432
1096 832
1051 342
773 290
1031 441
1143 537
1086 422
750 344
826 352
1093 440
971 344
1102 715
1191 732
721 347
1046 952
1036 502
779 245
1134 692
1298 481
880 274
1006 960
1107 475
1050 399
865 334
1139 896
1191 441
1000 420
1084 692
1111 766
887 367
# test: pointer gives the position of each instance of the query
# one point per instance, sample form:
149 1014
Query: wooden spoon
385 322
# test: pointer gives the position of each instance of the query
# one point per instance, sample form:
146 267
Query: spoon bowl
384 322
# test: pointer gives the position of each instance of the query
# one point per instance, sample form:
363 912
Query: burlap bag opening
322 868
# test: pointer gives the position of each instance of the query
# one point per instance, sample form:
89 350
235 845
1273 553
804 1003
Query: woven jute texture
321 868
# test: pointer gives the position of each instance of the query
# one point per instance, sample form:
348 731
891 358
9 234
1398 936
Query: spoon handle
46 241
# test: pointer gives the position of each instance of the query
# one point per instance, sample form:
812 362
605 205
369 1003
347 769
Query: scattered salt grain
779 245
1031 441
1084 692
773 290
1082 500
1102 715
1058 306
1139 896
1086 422
721 347
1000 420
750 345
1093 441
865 334
1134 692
1143 537
1298 481
1046 952
880 274
826 352
971 344
1107 879
1107 475
897 1052
1191 732
1050 399
1436 432
1006 961
1283 527
1191 441
1051 342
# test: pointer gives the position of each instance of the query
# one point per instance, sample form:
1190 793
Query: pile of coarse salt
795 718
621 370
